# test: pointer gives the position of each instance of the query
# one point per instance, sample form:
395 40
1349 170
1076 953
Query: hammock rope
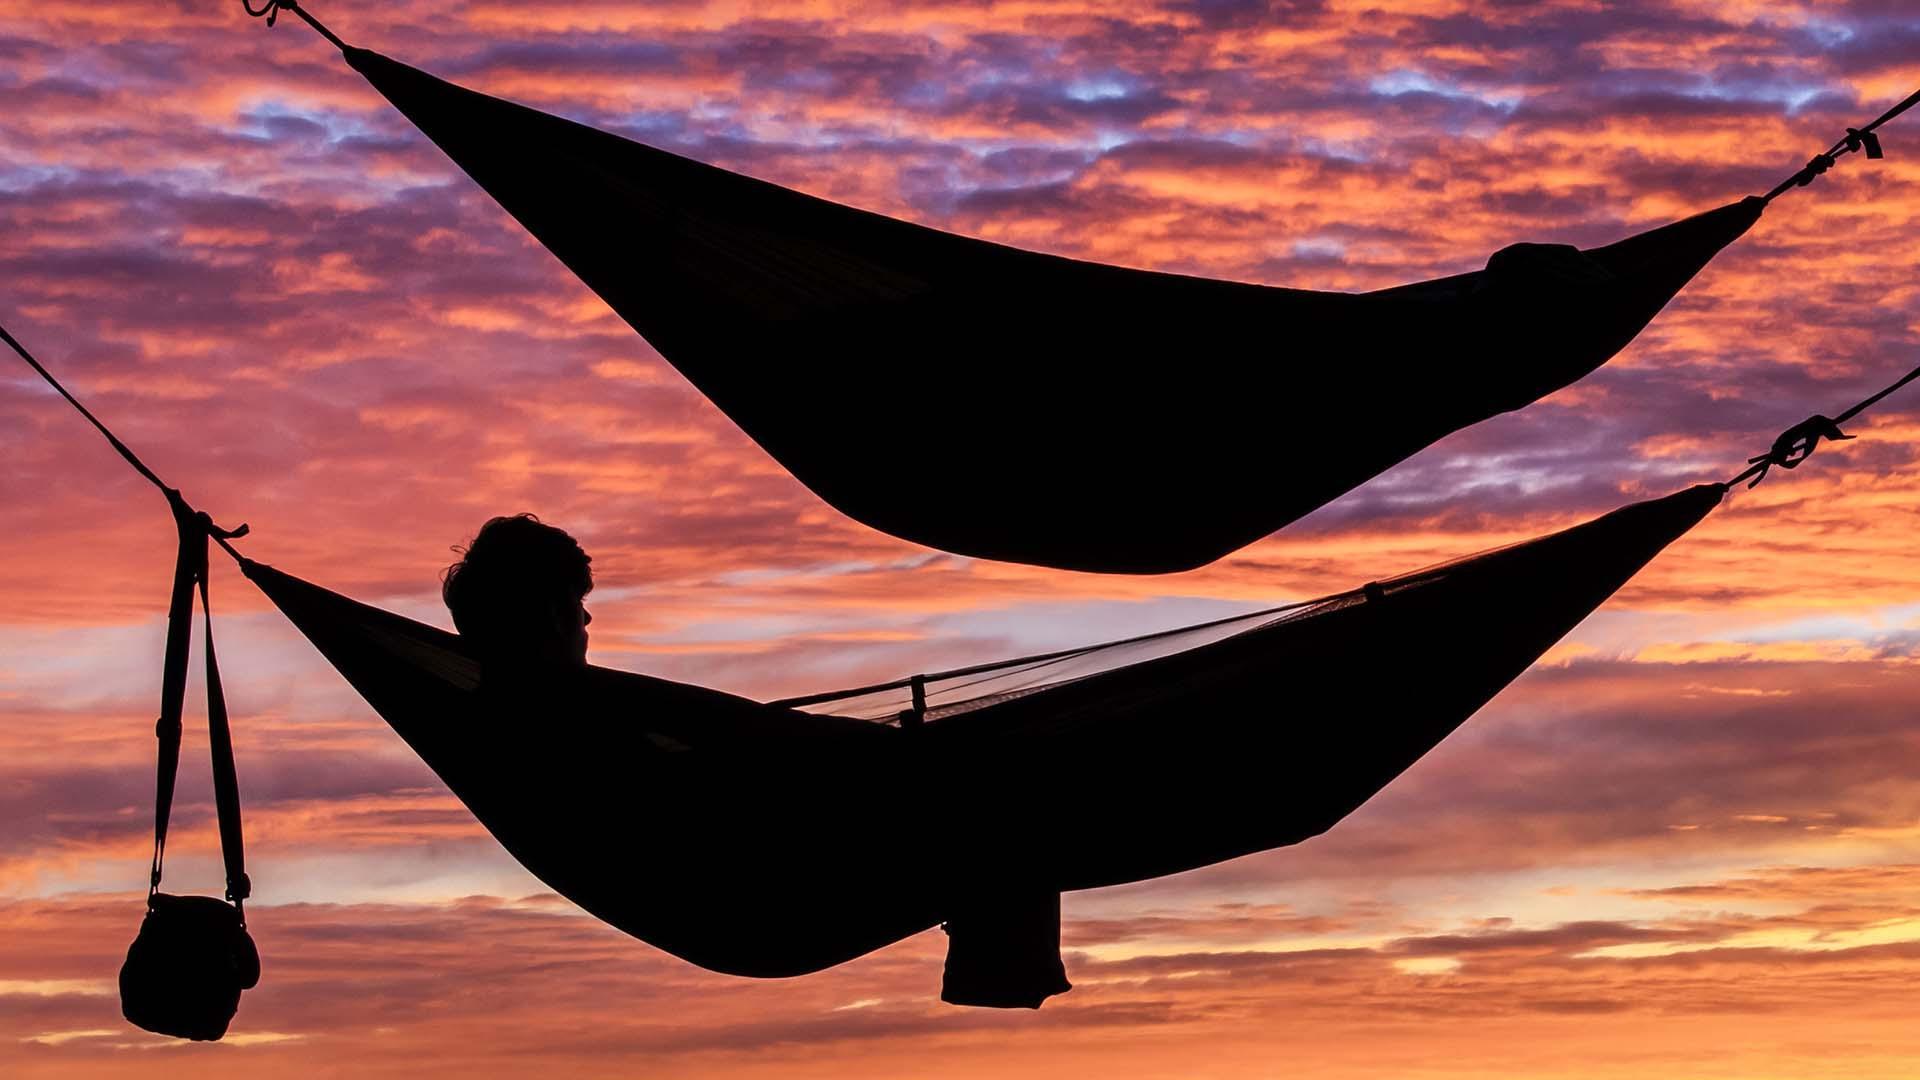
1856 139
174 501
1797 443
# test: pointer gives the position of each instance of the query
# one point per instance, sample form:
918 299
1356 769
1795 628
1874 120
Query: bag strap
189 566
226 780
189 574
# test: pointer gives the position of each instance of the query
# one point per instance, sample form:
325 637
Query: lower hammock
780 838
765 840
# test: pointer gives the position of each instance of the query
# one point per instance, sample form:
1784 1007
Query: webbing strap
226 779
189 568
195 531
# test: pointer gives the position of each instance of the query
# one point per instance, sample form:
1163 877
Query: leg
1003 951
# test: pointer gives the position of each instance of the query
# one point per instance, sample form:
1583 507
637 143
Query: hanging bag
193 956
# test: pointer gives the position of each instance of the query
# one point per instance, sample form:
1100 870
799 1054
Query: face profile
518 594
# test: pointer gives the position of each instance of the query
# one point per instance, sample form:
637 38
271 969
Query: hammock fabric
760 839
1005 404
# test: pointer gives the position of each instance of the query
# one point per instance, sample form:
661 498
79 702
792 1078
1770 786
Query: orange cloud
296 309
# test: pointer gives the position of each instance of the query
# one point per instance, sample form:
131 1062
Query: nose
587 620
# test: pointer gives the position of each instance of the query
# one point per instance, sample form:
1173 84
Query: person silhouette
518 595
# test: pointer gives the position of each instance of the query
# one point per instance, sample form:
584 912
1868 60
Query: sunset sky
1686 844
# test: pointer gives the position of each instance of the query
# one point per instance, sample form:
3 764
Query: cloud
1683 846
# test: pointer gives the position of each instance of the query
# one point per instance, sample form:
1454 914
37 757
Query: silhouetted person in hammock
518 596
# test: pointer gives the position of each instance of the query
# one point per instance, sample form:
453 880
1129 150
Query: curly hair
510 577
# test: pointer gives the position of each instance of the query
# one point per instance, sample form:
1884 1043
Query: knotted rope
1797 443
1855 140
271 10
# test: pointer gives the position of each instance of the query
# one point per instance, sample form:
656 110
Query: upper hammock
761 839
1006 404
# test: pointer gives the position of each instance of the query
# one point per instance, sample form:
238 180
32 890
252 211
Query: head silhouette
516 594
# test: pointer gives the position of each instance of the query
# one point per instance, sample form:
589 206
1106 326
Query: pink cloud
295 308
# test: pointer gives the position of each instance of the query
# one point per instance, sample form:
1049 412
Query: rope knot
199 522
218 533
1795 445
1857 139
1819 165
271 9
